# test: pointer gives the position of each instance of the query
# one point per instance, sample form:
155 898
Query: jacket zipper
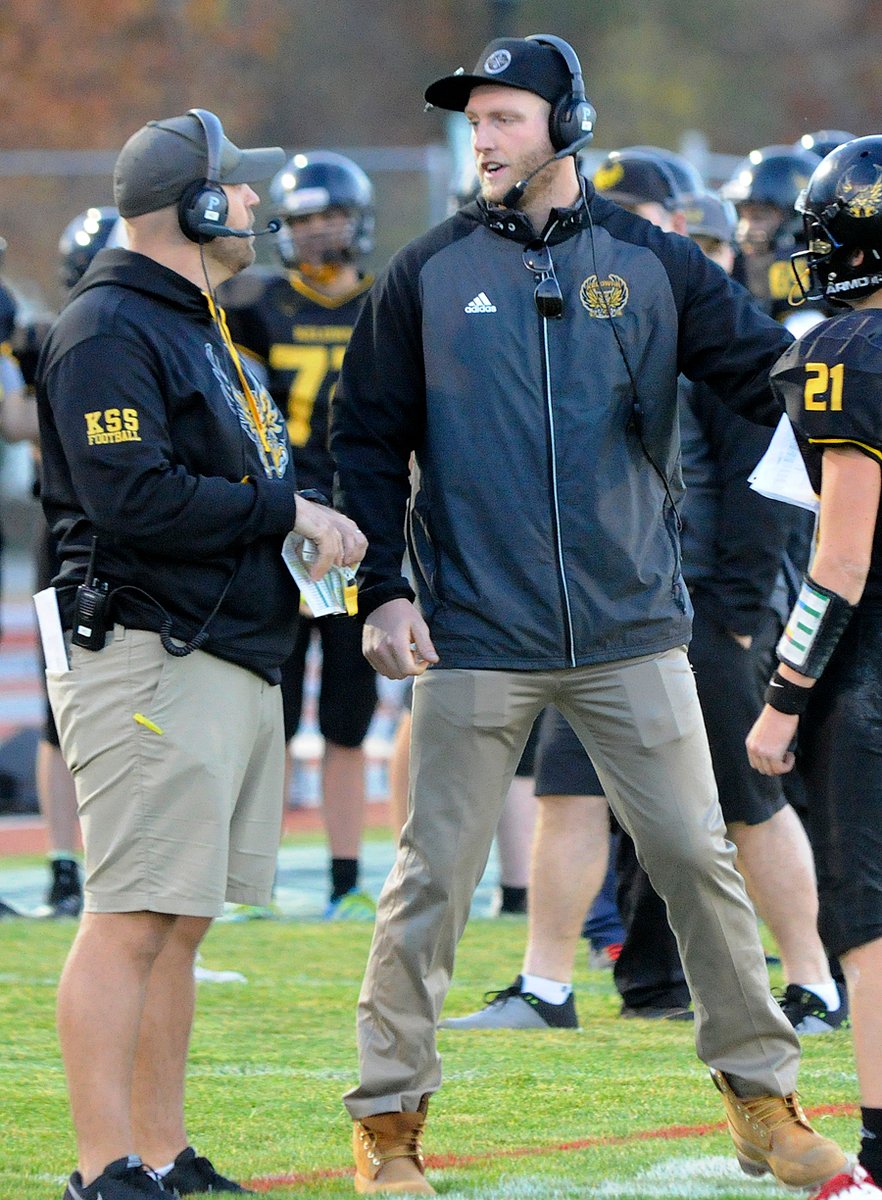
565 593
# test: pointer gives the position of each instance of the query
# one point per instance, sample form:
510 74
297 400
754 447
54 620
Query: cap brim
255 165
453 91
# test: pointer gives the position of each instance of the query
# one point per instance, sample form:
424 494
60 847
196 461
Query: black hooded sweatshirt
151 445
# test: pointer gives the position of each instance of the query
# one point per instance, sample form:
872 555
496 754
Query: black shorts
731 682
348 689
840 753
563 767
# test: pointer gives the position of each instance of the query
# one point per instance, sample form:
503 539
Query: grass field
622 1109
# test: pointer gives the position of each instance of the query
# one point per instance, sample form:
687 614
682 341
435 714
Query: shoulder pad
830 381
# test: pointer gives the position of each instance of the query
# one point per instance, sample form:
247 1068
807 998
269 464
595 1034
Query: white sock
162 1171
828 992
552 991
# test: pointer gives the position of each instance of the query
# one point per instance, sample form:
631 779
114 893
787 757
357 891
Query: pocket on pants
662 697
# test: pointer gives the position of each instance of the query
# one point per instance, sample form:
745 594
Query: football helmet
841 208
823 141
771 177
320 181
81 240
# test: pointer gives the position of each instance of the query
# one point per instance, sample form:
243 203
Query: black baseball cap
631 177
510 62
159 162
707 215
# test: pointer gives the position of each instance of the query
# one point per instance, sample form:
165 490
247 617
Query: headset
203 208
573 115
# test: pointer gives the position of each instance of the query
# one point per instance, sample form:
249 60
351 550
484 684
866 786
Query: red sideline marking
668 1133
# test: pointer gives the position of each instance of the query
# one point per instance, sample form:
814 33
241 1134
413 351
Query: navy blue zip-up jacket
149 443
540 534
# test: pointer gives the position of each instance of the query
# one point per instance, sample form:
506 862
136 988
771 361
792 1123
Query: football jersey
299 336
831 384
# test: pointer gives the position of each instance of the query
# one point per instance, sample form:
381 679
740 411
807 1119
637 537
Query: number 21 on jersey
823 386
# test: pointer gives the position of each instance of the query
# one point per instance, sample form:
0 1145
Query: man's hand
339 541
396 640
769 740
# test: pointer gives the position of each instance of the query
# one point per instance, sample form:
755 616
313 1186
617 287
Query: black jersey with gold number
831 383
300 336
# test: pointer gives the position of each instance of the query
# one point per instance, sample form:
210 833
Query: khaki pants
641 723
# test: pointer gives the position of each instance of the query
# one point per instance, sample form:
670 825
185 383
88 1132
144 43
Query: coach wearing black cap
526 352
168 483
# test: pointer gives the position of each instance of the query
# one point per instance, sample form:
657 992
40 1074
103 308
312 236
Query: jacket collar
513 224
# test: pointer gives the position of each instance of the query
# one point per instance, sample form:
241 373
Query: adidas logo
480 304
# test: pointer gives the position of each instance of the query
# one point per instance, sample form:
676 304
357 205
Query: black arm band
785 696
315 496
816 624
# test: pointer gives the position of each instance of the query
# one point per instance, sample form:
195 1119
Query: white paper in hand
780 474
335 593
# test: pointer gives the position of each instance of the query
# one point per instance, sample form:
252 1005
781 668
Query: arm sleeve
135 488
726 341
378 421
752 531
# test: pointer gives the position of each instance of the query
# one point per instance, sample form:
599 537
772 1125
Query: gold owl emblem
862 199
604 298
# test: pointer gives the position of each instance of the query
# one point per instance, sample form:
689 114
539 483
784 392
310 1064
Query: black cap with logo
509 62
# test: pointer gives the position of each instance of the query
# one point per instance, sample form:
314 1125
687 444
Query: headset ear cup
559 121
197 202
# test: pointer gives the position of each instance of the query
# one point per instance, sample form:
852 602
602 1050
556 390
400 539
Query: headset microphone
272 226
514 193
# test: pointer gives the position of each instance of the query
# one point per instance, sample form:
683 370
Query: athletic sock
828 992
344 876
552 991
870 1154
514 899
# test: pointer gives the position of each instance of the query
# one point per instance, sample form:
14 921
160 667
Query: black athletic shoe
513 1008
192 1174
123 1179
654 1012
65 895
808 1014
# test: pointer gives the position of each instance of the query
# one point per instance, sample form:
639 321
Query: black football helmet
314 182
824 141
772 176
842 212
81 240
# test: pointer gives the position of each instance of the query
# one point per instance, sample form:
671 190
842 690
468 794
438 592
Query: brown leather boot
772 1134
388 1158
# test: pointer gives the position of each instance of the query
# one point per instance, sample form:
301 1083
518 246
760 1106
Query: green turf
271 1058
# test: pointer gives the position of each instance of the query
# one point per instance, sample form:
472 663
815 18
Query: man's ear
678 223
856 258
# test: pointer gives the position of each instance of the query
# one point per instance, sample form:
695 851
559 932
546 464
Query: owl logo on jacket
274 428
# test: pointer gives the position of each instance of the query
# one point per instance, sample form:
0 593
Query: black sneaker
512 1008
655 1012
65 895
192 1174
123 1179
808 1014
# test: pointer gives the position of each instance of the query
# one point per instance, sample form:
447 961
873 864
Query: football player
828 685
296 325
764 189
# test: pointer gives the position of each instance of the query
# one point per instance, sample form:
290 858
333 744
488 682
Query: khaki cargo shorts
178 764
